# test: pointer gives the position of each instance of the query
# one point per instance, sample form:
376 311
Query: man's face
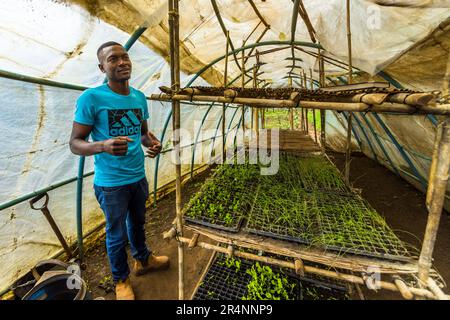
115 62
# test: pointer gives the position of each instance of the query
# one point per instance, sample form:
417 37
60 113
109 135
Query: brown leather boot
124 291
153 263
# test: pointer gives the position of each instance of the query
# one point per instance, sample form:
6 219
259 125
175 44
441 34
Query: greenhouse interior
237 149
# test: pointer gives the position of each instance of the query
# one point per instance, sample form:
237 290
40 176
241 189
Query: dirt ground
161 285
401 204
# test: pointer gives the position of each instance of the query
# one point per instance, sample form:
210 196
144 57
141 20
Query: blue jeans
124 209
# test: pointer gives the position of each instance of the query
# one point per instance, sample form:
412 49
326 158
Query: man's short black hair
105 45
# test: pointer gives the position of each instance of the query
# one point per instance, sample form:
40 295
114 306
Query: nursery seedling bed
222 282
312 172
221 200
350 225
281 213
326 220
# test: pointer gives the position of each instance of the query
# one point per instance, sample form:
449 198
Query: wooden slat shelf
297 251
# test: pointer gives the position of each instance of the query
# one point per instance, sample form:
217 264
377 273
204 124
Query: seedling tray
263 219
223 194
313 173
356 228
223 283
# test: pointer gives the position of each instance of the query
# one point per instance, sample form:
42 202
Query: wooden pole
350 81
242 86
263 118
437 184
255 110
322 105
306 109
225 81
349 42
313 110
322 112
291 111
175 82
349 149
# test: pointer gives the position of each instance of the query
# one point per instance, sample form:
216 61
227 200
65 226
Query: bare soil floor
403 207
401 204
161 285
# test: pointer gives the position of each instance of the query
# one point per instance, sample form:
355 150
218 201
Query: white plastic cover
58 40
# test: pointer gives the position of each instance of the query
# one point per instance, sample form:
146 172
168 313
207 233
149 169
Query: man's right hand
116 146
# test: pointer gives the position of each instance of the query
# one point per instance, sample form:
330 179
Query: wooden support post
175 85
437 184
349 42
291 111
263 118
305 117
322 112
242 86
255 110
348 152
225 81
313 110
255 85
302 119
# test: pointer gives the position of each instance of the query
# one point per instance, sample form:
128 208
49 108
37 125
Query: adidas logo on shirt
124 122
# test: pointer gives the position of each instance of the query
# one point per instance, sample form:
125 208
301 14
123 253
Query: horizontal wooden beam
322 105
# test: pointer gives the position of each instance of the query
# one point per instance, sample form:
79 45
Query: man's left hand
154 150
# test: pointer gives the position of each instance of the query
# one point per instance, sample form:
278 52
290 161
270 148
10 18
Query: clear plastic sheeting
57 40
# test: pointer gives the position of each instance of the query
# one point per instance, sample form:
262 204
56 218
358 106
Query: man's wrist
102 146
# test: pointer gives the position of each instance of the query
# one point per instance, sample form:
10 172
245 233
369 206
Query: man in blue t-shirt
115 116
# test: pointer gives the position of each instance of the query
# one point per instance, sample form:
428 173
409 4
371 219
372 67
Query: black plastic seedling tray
223 283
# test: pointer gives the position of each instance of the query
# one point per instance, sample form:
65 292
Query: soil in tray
240 279
222 200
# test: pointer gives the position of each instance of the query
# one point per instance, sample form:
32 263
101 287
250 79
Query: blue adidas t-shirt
113 115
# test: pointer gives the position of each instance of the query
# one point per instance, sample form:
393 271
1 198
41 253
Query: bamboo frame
298 266
435 195
225 82
349 150
442 109
322 112
437 184
350 81
349 43
175 82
